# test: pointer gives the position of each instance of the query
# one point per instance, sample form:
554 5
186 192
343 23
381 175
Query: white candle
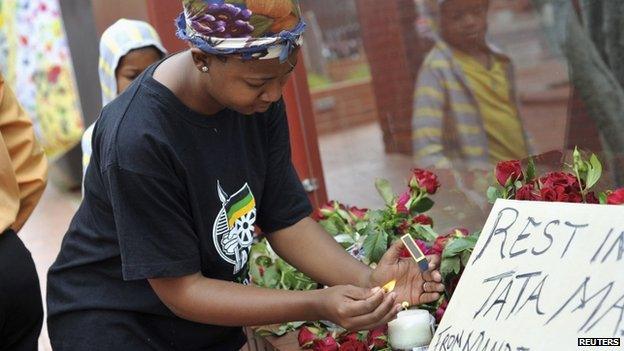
411 328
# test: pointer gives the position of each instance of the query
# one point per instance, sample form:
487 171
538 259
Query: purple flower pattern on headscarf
224 20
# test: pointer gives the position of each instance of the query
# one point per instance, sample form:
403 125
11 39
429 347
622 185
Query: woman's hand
412 285
355 308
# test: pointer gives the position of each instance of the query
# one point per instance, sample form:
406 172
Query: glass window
455 86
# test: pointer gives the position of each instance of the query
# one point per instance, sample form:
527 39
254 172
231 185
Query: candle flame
389 286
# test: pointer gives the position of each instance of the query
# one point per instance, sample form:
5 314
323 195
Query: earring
204 69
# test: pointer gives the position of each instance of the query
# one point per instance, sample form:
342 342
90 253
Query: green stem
578 178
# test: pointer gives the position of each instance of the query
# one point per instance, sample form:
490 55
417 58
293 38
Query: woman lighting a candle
186 161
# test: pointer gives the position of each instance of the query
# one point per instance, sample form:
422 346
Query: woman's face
248 86
133 64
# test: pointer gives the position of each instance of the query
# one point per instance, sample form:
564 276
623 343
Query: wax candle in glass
411 328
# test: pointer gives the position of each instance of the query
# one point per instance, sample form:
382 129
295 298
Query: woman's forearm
308 247
219 302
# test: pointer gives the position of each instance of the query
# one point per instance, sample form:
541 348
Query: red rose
554 194
616 197
423 246
440 311
404 253
439 244
306 337
401 206
350 336
507 172
527 192
317 215
575 197
353 345
324 211
424 180
423 219
591 198
358 213
566 180
377 337
548 194
403 228
326 344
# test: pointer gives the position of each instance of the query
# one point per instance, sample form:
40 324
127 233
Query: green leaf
375 216
345 240
518 184
493 193
424 232
594 171
449 266
465 257
530 169
602 197
576 157
375 245
359 226
423 205
458 245
385 190
329 226
277 329
254 271
344 215
264 261
271 277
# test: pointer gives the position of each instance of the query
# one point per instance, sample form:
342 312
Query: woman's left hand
412 285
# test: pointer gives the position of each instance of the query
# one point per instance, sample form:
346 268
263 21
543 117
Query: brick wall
344 105
393 51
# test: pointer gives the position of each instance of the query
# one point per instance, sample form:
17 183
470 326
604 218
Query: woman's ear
201 60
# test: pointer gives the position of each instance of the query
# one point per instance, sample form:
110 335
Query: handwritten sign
541 276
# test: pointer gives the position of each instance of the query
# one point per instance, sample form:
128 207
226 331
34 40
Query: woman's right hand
355 308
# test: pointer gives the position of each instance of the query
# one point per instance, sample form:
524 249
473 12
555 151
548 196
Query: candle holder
412 330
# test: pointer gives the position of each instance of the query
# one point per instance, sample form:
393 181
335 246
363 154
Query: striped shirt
447 124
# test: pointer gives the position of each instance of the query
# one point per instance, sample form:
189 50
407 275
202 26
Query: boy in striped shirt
466 112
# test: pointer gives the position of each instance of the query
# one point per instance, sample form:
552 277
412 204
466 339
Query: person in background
23 174
466 112
127 48
185 163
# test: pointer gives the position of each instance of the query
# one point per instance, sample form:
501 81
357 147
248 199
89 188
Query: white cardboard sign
541 276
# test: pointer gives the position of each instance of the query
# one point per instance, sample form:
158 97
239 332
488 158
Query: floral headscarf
250 28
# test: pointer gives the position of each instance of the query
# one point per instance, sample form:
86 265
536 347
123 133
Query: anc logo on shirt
233 228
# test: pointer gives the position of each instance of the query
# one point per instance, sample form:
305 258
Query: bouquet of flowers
576 184
320 338
367 234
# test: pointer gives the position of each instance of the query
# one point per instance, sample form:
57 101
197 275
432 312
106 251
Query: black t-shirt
169 192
